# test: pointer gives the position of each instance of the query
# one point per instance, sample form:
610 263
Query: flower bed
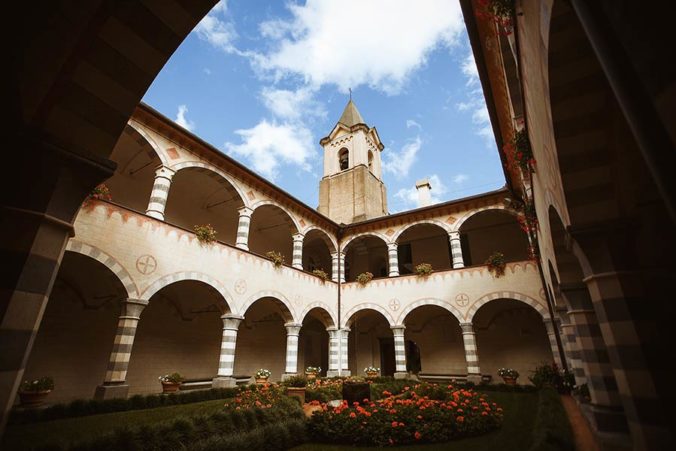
423 413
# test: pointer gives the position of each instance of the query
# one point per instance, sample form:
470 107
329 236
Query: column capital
245 211
231 321
392 246
132 308
467 328
338 254
165 172
298 237
454 235
293 328
398 329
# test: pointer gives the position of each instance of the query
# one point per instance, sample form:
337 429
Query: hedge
82 407
249 429
552 431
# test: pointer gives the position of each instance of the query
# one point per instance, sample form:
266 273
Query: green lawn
515 435
69 430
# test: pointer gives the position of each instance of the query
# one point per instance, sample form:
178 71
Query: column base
474 378
609 426
223 382
401 375
285 376
111 391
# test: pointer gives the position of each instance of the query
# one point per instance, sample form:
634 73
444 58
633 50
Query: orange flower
460 419
353 415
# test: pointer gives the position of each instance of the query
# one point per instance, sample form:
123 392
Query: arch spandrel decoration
169 279
108 261
539 307
367 306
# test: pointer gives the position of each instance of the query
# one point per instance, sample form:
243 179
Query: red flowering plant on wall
101 192
422 413
500 12
519 153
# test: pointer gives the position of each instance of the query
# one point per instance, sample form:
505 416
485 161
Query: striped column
399 352
118 363
297 261
338 265
393 259
344 334
242 240
551 333
570 346
158 197
292 332
334 351
471 355
456 250
226 362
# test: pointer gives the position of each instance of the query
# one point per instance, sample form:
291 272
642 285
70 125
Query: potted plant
509 375
276 257
295 387
205 233
101 192
311 372
364 278
171 382
33 393
323 275
371 372
496 264
423 269
262 376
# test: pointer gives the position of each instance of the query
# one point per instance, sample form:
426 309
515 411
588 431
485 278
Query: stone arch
158 150
188 275
485 299
458 224
262 203
199 164
351 238
429 301
330 239
327 317
107 260
367 306
281 300
434 222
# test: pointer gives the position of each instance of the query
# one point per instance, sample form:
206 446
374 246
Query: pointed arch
188 275
485 299
367 306
107 260
429 301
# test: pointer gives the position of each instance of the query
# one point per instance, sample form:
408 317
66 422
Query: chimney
424 195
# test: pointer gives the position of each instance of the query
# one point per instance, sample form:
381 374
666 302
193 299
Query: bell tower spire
352 189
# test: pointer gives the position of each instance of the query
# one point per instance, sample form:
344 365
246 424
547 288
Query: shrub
276 258
496 264
412 415
364 278
323 275
551 430
423 269
508 372
205 233
101 192
296 381
42 384
173 378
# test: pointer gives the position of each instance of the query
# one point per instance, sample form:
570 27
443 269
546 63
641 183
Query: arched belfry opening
344 159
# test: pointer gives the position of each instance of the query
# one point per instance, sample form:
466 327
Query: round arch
367 306
325 316
188 275
428 301
351 238
262 203
485 299
158 150
447 228
329 239
107 260
279 299
209 168
458 224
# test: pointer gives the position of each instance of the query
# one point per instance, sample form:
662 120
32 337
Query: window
370 161
344 159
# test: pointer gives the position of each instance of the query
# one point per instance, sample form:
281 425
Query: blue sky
264 81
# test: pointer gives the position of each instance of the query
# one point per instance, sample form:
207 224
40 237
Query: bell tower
352 189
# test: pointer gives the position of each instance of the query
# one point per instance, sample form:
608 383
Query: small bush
551 430
295 381
364 278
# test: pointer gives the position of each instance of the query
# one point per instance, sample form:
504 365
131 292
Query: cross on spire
350 89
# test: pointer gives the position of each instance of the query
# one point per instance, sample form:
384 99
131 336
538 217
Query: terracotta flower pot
311 376
509 380
371 374
170 387
261 380
33 398
296 392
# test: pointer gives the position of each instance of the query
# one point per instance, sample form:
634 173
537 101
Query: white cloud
460 178
268 145
411 123
379 43
409 196
182 120
292 105
399 163
217 29
475 102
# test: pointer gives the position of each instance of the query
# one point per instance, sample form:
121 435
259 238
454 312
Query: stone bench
196 384
440 377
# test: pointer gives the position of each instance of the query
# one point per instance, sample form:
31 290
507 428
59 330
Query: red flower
460 419
417 435
394 424
353 415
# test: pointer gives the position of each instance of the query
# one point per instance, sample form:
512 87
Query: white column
344 368
399 352
292 332
393 259
160 192
456 250
226 363
334 351
297 261
242 241
471 355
